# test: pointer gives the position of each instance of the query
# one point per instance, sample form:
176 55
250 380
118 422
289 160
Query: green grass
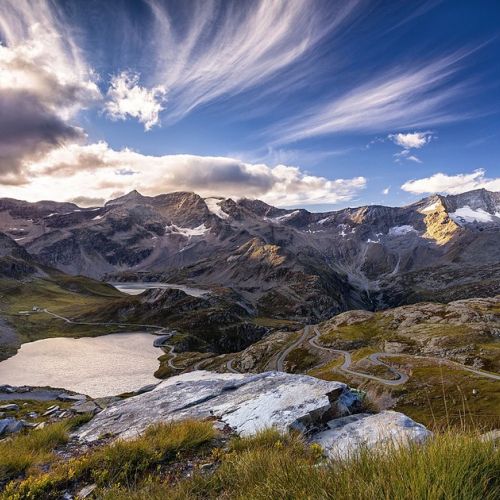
276 323
275 466
122 463
300 359
451 465
70 297
360 334
22 452
442 396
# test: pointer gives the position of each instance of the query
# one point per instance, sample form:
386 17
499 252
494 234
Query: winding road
229 366
280 360
345 367
402 377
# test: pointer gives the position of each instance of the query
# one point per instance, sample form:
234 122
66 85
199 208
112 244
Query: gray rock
85 407
106 401
245 402
9 407
51 410
346 436
10 426
71 397
146 388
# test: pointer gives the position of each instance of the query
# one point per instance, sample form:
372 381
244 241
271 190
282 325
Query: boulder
10 426
245 402
346 436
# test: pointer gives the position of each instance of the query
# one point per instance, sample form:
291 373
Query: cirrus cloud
402 97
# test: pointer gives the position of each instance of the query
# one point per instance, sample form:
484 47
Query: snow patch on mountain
466 214
323 221
187 231
213 204
285 217
401 230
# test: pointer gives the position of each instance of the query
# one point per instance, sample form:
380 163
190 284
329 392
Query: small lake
99 366
135 288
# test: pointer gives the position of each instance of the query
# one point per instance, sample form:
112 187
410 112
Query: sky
320 104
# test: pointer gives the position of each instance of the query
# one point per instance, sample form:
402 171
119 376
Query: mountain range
276 262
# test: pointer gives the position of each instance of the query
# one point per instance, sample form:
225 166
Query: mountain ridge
288 262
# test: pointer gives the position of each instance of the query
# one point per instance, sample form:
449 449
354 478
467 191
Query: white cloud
413 140
414 158
386 190
44 82
407 97
126 98
252 43
452 184
96 170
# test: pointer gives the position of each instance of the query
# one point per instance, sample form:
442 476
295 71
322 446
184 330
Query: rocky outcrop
249 403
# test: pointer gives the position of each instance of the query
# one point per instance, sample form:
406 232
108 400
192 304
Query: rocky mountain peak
132 197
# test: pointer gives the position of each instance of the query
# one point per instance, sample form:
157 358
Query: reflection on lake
100 366
135 288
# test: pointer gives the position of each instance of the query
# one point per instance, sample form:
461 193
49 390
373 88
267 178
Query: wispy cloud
400 98
126 98
96 170
221 49
452 184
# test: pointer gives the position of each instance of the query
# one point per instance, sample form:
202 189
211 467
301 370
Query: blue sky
313 103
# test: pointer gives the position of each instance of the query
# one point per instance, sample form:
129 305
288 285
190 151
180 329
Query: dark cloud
28 129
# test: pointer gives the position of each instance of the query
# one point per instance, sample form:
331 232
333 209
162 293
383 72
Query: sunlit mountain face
310 104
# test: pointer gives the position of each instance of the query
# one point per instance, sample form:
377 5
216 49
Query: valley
402 303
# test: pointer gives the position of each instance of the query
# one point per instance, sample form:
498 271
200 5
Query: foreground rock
388 428
246 403
10 426
326 412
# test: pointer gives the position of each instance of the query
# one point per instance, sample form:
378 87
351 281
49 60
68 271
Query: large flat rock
245 402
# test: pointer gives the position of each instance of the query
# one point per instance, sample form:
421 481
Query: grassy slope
119 463
160 464
436 394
